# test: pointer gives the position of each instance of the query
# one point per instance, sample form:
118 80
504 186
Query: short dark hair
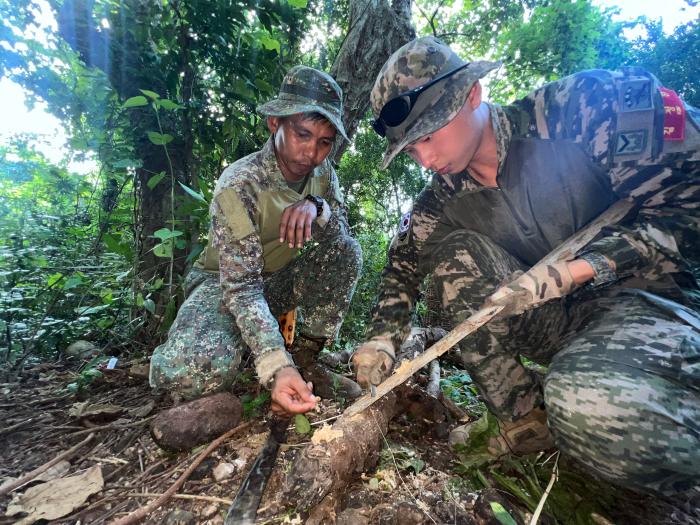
313 116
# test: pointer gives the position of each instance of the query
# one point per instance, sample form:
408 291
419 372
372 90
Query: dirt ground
417 479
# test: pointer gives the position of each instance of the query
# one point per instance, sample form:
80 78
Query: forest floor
418 479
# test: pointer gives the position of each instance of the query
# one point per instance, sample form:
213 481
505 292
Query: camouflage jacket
618 126
244 246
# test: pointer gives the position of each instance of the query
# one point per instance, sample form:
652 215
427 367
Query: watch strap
318 201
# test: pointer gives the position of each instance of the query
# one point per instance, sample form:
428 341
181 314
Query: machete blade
244 508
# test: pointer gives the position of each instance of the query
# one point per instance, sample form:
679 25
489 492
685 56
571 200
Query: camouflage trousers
622 388
204 348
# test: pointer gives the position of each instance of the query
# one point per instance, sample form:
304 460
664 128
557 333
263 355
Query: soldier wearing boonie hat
421 88
265 207
308 90
512 183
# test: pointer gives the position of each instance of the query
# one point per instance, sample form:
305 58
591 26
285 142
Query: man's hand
291 394
372 362
534 287
295 225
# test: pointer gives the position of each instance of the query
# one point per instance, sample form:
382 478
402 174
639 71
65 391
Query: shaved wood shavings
325 434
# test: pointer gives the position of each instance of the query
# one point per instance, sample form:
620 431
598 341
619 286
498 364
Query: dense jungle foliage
162 96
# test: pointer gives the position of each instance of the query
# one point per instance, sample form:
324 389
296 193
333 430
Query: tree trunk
377 28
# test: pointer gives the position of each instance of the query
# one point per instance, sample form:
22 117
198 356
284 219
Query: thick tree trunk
377 28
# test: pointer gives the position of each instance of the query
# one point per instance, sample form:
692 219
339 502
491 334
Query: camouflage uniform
246 278
622 391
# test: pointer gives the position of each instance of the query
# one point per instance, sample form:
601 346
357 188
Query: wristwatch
318 201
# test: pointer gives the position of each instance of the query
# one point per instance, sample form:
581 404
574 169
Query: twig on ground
34 473
210 499
16 426
113 427
141 513
543 499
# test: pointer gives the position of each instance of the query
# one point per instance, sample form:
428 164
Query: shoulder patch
234 213
631 142
636 95
674 115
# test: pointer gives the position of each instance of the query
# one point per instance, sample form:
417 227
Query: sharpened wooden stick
563 252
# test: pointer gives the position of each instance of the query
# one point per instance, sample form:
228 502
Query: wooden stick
210 499
113 427
564 251
34 473
141 513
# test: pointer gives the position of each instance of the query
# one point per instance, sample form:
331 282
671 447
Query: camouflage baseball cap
305 89
413 65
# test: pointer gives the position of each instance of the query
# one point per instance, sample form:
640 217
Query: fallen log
340 453
351 448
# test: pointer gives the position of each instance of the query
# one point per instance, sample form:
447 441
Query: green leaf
240 88
135 102
139 300
164 249
159 139
168 104
164 234
298 4
114 245
301 424
150 306
270 43
195 195
502 515
128 163
151 94
73 282
53 279
263 86
153 181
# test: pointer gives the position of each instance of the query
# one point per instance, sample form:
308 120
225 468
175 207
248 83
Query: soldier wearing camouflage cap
618 324
265 208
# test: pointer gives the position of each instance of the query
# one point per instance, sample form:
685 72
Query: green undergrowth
576 498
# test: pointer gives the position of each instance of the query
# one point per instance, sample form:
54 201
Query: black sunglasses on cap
396 110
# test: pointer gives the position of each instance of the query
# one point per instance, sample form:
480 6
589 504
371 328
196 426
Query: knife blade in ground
244 508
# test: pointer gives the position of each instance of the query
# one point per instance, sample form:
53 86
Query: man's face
300 144
451 148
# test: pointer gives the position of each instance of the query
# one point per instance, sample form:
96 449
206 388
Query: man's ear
474 96
273 124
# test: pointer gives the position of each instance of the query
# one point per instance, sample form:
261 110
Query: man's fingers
299 231
283 224
307 227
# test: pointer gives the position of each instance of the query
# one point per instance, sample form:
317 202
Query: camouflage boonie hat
413 65
305 89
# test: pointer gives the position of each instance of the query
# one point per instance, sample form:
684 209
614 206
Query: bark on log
330 465
377 28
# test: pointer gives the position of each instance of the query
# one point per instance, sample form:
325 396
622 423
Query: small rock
223 471
179 517
81 349
195 422
352 517
409 514
203 469
210 510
